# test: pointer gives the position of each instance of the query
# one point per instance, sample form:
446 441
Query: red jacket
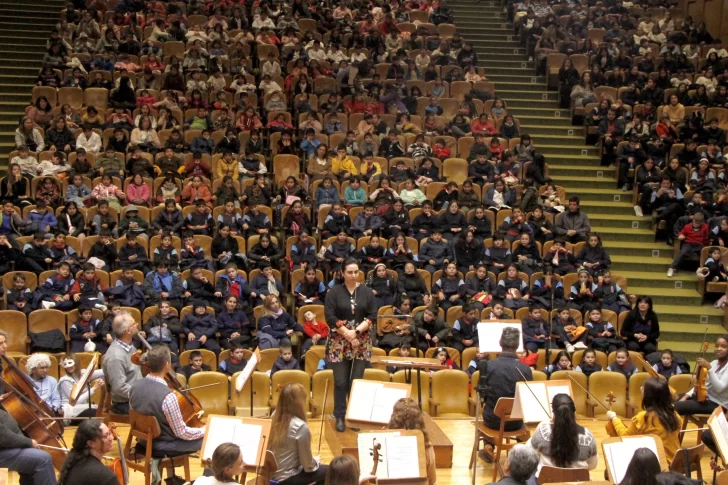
313 328
695 237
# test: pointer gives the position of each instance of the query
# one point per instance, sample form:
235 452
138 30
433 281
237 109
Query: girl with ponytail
561 441
83 466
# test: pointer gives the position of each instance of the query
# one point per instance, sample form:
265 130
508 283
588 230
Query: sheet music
383 404
528 405
365 443
402 457
224 430
552 391
489 335
246 372
361 404
621 453
719 427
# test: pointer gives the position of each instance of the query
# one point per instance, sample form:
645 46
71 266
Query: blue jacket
509 197
41 220
225 284
327 195
56 286
260 286
205 325
229 323
276 327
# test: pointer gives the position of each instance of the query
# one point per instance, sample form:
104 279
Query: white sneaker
670 273
103 308
581 346
47 305
570 348
638 211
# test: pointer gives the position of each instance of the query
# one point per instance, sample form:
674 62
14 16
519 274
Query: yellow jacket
646 422
224 168
345 165
365 167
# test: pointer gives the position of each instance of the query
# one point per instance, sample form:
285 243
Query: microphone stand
417 350
551 324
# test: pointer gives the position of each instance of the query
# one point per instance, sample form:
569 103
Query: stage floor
459 431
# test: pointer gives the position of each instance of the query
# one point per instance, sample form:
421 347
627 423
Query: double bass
33 415
189 405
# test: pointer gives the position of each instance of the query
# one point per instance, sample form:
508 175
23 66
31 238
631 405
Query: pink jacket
134 193
101 191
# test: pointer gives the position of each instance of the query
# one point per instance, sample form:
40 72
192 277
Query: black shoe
340 425
670 241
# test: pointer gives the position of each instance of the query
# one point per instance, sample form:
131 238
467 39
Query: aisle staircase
575 166
24 29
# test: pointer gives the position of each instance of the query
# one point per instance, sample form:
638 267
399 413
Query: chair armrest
433 407
231 408
472 406
315 407
590 409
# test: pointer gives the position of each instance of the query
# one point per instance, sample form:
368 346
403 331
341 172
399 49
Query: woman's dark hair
463 243
558 357
643 299
643 469
88 430
343 470
656 398
564 432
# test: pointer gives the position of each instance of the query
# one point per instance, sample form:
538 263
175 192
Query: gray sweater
10 434
119 372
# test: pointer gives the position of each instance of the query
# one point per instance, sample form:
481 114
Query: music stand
83 382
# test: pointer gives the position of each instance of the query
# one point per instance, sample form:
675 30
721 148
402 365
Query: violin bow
323 414
588 393
533 393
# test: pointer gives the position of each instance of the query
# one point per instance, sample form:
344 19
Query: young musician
350 310
407 415
561 441
46 386
716 384
290 441
344 470
92 441
658 417
498 379
152 396
226 463
119 372
73 370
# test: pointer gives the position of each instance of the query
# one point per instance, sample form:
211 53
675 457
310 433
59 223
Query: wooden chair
551 474
267 357
578 393
239 402
688 459
405 377
145 429
214 399
318 387
449 393
636 381
45 320
501 439
208 358
376 375
600 385
454 354
15 325
283 377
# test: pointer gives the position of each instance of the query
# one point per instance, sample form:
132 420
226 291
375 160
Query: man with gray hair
521 464
119 372
498 379
37 366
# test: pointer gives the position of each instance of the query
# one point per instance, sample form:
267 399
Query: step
616 220
523 70
643 235
585 182
646 250
649 279
28 13
638 263
525 95
698 315
613 208
542 116
689 350
576 150
599 195
578 169
553 130
686 332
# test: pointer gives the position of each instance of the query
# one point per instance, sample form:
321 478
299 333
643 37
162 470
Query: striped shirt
170 406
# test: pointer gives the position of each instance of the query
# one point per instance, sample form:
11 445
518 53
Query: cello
118 465
189 405
30 411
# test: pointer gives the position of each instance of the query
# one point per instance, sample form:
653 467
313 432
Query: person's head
124 326
589 357
562 360
522 462
159 359
84 311
226 462
38 365
510 339
644 303
642 469
284 351
622 357
195 359
343 470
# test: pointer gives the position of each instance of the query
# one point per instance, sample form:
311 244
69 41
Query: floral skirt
338 349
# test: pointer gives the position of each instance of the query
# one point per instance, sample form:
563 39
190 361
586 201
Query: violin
376 458
700 376
609 427
118 465
189 405
653 373
33 415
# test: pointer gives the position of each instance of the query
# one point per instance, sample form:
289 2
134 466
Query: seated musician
407 415
226 463
84 464
119 371
152 396
18 452
83 406
658 417
46 386
498 379
716 384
